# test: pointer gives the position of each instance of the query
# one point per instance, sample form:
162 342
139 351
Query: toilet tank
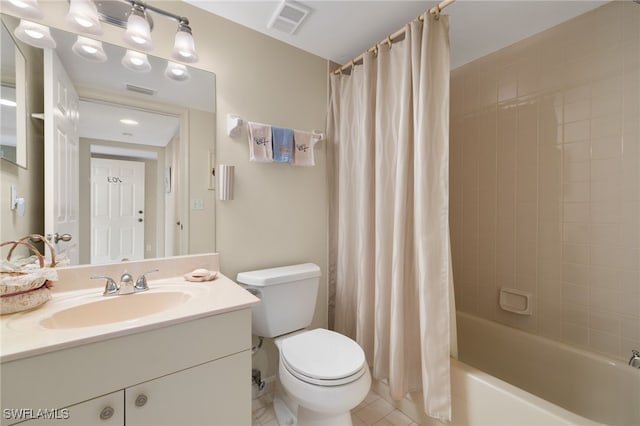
288 297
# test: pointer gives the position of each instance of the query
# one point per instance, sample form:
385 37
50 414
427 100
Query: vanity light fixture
83 16
138 32
34 34
184 48
89 49
24 8
177 72
136 61
133 15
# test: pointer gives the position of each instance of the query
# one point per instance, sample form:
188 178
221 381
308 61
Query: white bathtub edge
481 399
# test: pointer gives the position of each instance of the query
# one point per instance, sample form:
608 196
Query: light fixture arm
145 6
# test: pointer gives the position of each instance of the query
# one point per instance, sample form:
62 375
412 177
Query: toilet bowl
322 374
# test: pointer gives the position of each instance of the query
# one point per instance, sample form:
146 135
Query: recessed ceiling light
8 102
129 122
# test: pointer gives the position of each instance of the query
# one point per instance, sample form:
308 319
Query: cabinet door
214 393
107 410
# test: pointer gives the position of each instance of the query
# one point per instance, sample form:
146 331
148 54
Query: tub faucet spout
635 359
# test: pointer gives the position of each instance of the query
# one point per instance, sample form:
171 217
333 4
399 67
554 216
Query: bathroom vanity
188 364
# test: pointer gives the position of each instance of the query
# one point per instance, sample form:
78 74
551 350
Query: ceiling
342 30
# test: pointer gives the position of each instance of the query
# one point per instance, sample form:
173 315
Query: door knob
56 238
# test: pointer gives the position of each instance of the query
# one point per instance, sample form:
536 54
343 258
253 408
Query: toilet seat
322 357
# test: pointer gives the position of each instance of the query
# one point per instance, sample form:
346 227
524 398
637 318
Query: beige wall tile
545 175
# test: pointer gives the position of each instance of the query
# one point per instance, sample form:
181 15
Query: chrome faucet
635 359
126 285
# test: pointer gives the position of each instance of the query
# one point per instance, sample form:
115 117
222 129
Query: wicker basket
24 283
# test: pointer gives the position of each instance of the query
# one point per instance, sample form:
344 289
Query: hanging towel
260 148
282 145
304 143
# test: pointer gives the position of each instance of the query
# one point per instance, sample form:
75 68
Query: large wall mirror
133 132
13 109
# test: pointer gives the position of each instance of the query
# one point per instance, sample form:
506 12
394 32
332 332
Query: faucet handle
110 288
635 359
141 282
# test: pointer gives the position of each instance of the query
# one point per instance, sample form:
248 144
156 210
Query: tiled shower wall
545 181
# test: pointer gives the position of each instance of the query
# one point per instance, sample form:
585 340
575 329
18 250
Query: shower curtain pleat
390 273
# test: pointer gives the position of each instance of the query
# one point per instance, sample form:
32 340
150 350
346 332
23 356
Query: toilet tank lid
282 274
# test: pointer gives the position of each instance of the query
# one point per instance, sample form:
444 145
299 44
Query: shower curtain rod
435 10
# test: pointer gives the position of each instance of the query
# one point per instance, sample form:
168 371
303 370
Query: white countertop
23 336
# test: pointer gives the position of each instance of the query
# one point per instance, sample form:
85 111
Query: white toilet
324 374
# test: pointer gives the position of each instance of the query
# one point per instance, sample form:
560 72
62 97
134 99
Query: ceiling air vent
141 90
288 17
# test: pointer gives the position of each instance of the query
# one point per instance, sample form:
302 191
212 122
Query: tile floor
374 410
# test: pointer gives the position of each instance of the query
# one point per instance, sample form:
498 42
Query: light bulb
34 34
83 16
176 72
184 47
24 8
89 49
136 61
138 32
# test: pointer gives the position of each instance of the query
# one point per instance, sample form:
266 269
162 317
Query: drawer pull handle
141 400
106 413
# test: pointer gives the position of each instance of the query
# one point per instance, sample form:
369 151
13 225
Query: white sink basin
114 309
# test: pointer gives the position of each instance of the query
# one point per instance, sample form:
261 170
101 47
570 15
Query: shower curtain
390 271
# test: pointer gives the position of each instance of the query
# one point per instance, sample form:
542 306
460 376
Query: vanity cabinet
191 373
107 410
209 394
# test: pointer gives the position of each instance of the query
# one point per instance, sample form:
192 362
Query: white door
117 210
61 171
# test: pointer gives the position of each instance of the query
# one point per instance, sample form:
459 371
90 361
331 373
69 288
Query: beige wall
202 231
28 181
545 181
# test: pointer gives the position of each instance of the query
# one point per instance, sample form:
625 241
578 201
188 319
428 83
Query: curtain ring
375 50
389 42
436 14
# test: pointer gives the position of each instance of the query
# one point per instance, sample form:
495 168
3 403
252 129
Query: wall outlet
197 204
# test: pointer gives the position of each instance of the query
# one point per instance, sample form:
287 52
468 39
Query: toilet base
285 409
288 413
307 417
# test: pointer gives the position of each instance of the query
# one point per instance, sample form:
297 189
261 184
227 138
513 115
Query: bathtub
589 385
479 399
509 377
